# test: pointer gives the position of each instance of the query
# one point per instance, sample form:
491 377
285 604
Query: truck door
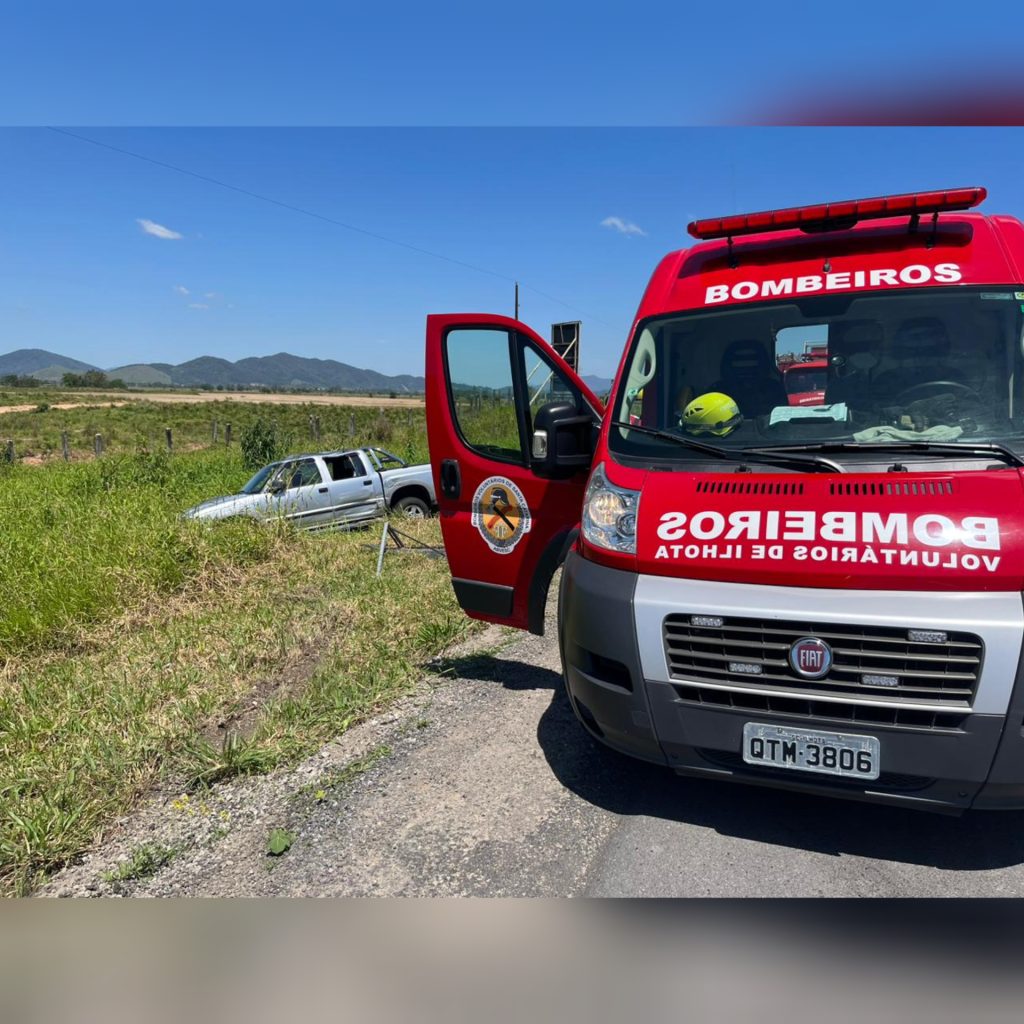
299 492
493 386
355 487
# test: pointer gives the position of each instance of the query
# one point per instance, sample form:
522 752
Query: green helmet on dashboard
712 413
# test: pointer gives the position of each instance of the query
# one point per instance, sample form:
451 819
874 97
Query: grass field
82 542
139 424
127 634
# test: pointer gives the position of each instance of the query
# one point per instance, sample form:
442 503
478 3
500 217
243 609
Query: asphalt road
556 813
491 788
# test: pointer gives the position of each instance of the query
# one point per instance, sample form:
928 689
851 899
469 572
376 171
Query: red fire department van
825 598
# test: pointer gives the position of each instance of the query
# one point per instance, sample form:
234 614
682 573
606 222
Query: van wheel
414 508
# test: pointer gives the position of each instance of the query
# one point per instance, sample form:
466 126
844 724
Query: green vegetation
441 632
340 777
145 861
279 841
83 542
262 442
209 763
489 423
127 635
91 379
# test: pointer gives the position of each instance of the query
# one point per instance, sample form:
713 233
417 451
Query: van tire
415 508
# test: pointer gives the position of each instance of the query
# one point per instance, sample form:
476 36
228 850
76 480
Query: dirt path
484 784
62 405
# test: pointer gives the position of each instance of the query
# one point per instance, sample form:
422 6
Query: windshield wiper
760 455
996 451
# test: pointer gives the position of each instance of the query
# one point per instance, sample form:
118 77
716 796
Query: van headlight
609 514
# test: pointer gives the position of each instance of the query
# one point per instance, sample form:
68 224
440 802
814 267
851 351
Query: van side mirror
563 440
276 486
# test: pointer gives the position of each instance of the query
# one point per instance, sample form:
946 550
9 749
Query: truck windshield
927 365
259 481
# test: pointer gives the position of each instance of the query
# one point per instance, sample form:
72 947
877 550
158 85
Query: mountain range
281 371
278 371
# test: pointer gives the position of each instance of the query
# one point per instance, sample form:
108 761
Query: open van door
511 430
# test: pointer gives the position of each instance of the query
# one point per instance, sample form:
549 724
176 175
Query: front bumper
620 688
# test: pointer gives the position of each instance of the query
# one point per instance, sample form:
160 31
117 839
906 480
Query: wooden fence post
170 439
311 434
213 431
10 450
97 444
316 429
352 425
65 451
227 434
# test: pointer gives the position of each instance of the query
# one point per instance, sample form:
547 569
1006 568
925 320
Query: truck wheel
414 508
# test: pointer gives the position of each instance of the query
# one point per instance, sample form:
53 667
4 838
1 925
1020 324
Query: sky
437 213
113 259
463 62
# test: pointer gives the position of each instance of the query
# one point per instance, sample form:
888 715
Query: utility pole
517 300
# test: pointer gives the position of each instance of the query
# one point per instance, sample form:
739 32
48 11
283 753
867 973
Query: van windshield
939 365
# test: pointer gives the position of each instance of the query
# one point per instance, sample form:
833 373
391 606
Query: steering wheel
905 394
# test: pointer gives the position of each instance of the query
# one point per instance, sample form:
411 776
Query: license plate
806 750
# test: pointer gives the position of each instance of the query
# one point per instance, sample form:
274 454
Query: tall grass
81 542
124 631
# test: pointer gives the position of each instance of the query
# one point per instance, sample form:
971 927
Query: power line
315 216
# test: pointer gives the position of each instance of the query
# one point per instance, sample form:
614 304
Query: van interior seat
854 354
750 378
920 352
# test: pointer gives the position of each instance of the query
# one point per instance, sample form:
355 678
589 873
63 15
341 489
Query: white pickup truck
326 489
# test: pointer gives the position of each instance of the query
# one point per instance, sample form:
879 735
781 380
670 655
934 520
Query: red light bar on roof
842 215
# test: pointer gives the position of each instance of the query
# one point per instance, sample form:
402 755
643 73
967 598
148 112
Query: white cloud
198 305
624 227
211 295
156 230
181 289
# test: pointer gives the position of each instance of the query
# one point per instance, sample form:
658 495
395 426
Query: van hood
892 531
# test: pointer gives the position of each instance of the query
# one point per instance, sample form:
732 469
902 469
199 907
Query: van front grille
825 712
869 663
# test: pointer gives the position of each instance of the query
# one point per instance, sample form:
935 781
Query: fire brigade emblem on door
810 657
501 514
